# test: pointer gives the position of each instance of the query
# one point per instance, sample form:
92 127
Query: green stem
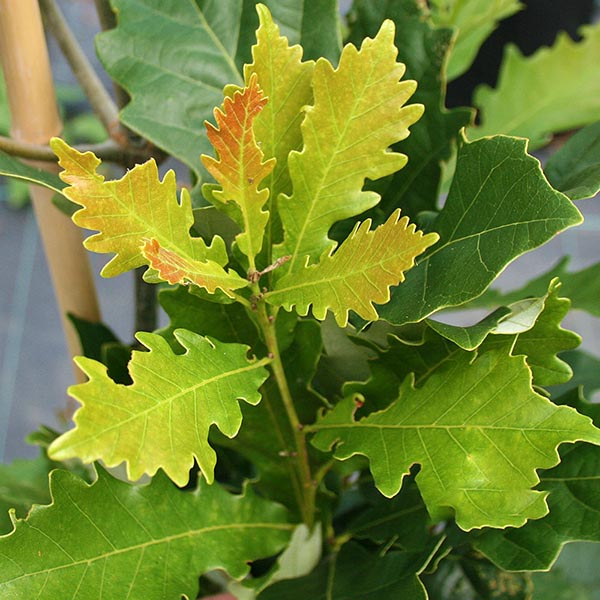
307 505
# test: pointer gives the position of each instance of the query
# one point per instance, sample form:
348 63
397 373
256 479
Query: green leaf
354 573
403 518
574 489
574 168
136 208
553 90
499 207
171 97
240 168
586 373
346 135
474 21
342 359
424 51
359 273
14 168
470 337
111 540
23 483
392 365
477 429
227 323
541 343
299 558
279 69
162 420
316 26
581 287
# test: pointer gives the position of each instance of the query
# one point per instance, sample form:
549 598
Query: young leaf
240 169
279 69
499 207
162 420
174 269
346 135
423 50
114 540
553 90
477 429
359 273
136 208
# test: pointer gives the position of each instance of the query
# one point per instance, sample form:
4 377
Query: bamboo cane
35 119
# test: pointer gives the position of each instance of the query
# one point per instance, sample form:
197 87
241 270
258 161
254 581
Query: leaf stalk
308 485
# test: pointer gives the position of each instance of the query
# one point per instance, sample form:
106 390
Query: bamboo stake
35 119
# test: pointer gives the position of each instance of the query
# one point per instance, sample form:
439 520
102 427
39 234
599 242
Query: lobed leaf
286 82
478 431
424 50
240 169
574 488
499 207
162 420
114 540
553 90
137 207
346 133
544 340
359 273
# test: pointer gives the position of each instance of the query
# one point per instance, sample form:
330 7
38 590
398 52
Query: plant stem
267 325
145 305
101 102
107 151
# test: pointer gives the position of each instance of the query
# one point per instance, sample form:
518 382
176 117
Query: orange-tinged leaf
240 168
359 273
175 269
136 207
279 68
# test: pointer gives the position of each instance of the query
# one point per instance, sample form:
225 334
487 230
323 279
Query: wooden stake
35 119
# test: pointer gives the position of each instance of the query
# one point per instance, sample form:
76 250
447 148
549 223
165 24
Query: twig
100 100
109 151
